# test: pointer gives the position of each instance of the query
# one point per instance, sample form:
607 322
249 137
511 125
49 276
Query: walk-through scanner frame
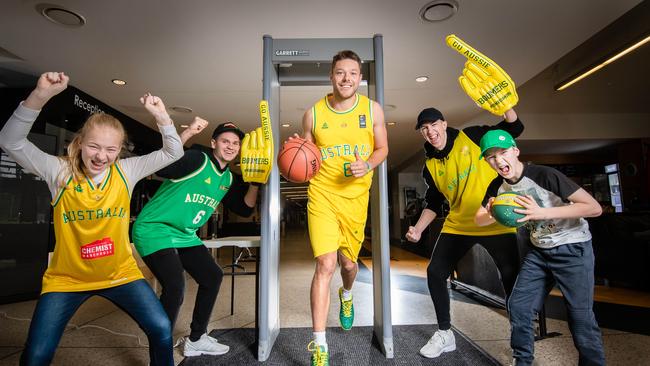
308 55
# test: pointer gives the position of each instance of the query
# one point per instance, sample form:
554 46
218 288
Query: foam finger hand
253 141
265 120
497 91
468 51
260 138
245 143
254 164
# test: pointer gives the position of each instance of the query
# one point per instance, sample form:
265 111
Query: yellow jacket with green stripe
456 174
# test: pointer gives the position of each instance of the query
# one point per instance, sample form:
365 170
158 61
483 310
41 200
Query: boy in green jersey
165 231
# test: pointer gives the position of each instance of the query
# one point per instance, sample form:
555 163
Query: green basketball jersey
179 208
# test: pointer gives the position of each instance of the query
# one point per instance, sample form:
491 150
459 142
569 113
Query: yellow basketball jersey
463 179
91 226
338 134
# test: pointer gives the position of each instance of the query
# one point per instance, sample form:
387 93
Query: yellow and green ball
503 209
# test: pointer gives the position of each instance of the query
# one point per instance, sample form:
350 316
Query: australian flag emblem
362 121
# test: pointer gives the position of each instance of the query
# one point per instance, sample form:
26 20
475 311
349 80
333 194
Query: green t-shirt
179 208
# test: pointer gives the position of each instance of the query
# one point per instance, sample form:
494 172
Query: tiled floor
488 327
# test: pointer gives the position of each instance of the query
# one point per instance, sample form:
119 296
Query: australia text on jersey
344 150
203 199
97 214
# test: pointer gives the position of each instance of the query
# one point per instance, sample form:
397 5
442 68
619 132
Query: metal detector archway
308 55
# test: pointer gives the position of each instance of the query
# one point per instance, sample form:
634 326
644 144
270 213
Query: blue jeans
54 310
571 267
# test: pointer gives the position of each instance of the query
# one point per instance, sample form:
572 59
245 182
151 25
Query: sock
319 338
346 294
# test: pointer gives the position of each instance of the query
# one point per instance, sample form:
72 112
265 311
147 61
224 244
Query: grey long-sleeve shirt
13 140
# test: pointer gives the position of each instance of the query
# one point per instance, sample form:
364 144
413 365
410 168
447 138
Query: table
241 242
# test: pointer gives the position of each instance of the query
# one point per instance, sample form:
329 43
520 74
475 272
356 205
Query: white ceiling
207 55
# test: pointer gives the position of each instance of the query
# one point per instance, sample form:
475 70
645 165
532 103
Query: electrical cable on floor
179 340
77 327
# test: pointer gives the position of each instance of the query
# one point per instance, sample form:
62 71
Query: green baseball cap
496 138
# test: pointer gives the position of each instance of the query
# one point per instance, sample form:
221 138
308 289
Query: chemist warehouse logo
97 249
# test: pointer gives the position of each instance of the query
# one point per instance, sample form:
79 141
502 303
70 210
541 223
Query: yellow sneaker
346 313
319 357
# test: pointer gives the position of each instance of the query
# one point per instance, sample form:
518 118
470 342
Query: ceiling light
592 70
421 79
118 82
391 123
438 10
286 125
61 16
181 109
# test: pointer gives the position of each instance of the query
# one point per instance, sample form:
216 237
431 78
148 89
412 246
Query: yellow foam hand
483 80
257 149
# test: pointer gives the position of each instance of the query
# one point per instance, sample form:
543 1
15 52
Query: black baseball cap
428 115
227 127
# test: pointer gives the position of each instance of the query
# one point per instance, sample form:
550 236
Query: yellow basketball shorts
336 222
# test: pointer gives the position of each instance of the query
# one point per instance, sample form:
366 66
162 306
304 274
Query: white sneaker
441 341
205 345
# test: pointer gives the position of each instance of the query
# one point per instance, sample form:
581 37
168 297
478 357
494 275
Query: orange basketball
299 160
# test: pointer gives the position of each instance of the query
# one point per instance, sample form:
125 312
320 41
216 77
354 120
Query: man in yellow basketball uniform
349 130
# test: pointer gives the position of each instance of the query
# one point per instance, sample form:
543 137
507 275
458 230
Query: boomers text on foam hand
483 80
257 149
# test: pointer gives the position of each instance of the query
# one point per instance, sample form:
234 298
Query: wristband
368 166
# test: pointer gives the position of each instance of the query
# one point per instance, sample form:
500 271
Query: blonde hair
73 163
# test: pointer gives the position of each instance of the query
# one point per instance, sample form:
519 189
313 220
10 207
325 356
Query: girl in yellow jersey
349 130
91 190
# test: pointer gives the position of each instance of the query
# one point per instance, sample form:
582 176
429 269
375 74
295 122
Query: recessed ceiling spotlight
421 79
60 15
392 123
438 10
286 125
181 109
119 82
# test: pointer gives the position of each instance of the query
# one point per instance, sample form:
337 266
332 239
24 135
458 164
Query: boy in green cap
554 207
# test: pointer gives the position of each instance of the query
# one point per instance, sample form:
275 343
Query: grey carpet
355 347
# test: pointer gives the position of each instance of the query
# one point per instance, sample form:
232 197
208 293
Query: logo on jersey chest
362 121
324 126
98 248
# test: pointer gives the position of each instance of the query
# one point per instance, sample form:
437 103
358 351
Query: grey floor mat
347 348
